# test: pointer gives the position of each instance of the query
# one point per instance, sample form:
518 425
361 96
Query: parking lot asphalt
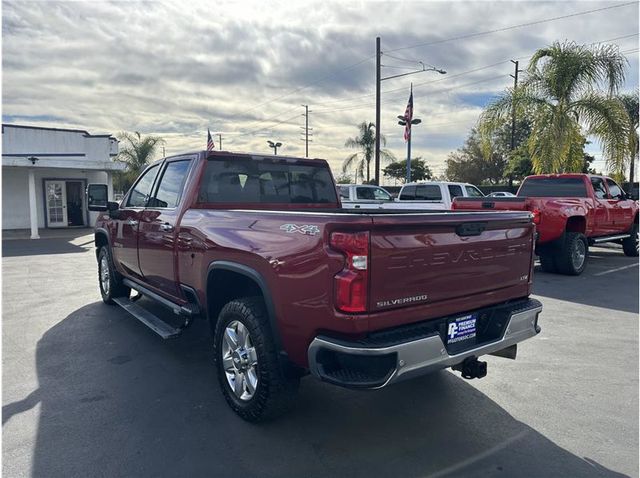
89 391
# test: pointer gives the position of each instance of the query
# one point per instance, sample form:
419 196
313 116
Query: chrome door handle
166 227
132 222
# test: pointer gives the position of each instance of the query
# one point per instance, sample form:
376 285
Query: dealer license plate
461 329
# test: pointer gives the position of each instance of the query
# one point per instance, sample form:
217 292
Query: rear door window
428 192
171 183
408 193
598 188
344 192
365 193
455 191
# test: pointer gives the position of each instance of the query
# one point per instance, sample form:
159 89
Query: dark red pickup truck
292 283
571 212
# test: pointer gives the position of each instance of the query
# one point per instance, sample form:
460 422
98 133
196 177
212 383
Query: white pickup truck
426 195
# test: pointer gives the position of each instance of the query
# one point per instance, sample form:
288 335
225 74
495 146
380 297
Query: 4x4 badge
307 229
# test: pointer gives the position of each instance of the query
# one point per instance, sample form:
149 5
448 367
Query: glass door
56 194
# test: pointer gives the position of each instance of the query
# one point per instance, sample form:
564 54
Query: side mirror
97 197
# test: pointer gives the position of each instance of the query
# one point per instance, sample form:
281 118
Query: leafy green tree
630 102
366 142
560 92
519 164
137 152
469 164
398 170
344 179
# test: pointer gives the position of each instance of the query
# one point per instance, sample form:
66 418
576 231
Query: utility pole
219 142
163 155
306 130
513 112
378 80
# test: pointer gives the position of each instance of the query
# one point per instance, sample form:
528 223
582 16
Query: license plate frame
462 331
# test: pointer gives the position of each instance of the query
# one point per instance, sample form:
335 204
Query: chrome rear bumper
408 359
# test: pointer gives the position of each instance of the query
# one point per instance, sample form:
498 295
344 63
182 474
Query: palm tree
630 102
137 152
365 141
560 93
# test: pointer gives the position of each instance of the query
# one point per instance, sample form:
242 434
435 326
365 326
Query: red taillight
352 282
537 216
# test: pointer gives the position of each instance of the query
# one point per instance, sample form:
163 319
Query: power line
269 126
448 77
512 27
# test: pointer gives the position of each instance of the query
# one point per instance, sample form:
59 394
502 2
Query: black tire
275 391
567 258
548 263
630 244
115 287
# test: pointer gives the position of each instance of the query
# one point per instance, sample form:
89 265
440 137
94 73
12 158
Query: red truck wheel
109 280
630 244
571 258
250 376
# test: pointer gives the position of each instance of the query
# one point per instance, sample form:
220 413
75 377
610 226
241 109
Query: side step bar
597 240
188 310
156 324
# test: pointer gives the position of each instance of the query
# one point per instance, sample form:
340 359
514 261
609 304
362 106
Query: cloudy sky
245 68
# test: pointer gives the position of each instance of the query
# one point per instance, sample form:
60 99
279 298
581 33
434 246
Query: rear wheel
630 244
109 280
251 378
571 258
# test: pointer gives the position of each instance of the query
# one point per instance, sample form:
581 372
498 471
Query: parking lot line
616 269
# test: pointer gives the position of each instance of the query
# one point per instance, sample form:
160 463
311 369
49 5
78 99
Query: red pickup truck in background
571 212
292 283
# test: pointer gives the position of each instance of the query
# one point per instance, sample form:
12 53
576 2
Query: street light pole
274 146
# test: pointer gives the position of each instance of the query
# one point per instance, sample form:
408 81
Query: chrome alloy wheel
105 279
578 255
239 360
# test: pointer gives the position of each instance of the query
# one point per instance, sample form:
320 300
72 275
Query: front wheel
109 280
251 378
571 258
630 244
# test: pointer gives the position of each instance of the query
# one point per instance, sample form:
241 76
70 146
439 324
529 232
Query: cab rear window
553 187
265 181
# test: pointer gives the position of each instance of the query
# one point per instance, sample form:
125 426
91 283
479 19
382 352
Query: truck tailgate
420 259
495 204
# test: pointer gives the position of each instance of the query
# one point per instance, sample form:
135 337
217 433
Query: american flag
408 116
210 145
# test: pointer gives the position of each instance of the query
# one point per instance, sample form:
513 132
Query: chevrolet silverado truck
291 283
571 212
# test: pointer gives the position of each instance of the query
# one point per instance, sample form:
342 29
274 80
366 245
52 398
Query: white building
45 172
